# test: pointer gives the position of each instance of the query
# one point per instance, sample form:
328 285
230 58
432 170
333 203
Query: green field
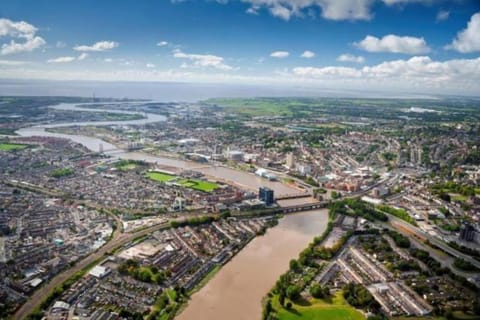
254 107
199 185
195 184
458 197
127 167
12 146
160 177
315 309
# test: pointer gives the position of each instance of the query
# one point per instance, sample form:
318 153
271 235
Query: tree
293 292
445 197
267 310
318 292
281 298
476 306
294 265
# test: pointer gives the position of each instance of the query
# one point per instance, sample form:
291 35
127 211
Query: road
433 240
119 239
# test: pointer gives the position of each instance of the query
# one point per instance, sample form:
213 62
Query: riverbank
236 291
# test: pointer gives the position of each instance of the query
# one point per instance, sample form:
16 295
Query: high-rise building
290 161
413 155
419 156
266 195
467 233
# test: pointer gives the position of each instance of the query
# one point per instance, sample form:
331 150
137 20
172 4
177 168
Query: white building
99 271
290 160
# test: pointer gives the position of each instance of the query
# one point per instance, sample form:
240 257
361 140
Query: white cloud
442 15
125 62
393 43
61 60
350 58
108 60
19 30
12 63
279 54
419 74
98 46
313 72
67 59
82 56
330 9
27 46
203 60
418 71
60 44
150 65
468 40
162 44
308 54
252 10
281 12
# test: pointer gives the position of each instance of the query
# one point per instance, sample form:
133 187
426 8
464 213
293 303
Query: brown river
236 291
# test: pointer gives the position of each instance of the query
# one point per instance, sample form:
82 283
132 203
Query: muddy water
236 291
241 178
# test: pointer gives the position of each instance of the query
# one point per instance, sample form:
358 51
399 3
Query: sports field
315 309
195 184
160 176
199 185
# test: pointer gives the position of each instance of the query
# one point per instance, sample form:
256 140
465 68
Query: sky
418 46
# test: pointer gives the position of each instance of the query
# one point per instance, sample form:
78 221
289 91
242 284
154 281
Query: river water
236 291
241 178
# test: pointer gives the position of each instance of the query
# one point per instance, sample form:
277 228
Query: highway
433 240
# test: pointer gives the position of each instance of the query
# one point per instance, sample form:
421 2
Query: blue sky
409 45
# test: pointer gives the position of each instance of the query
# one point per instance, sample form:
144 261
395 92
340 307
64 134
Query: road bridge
293 196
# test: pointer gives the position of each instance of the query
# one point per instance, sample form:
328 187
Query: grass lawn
172 295
127 167
199 185
463 316
337 309
12 146
458 197
160 177
195 184
477 190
